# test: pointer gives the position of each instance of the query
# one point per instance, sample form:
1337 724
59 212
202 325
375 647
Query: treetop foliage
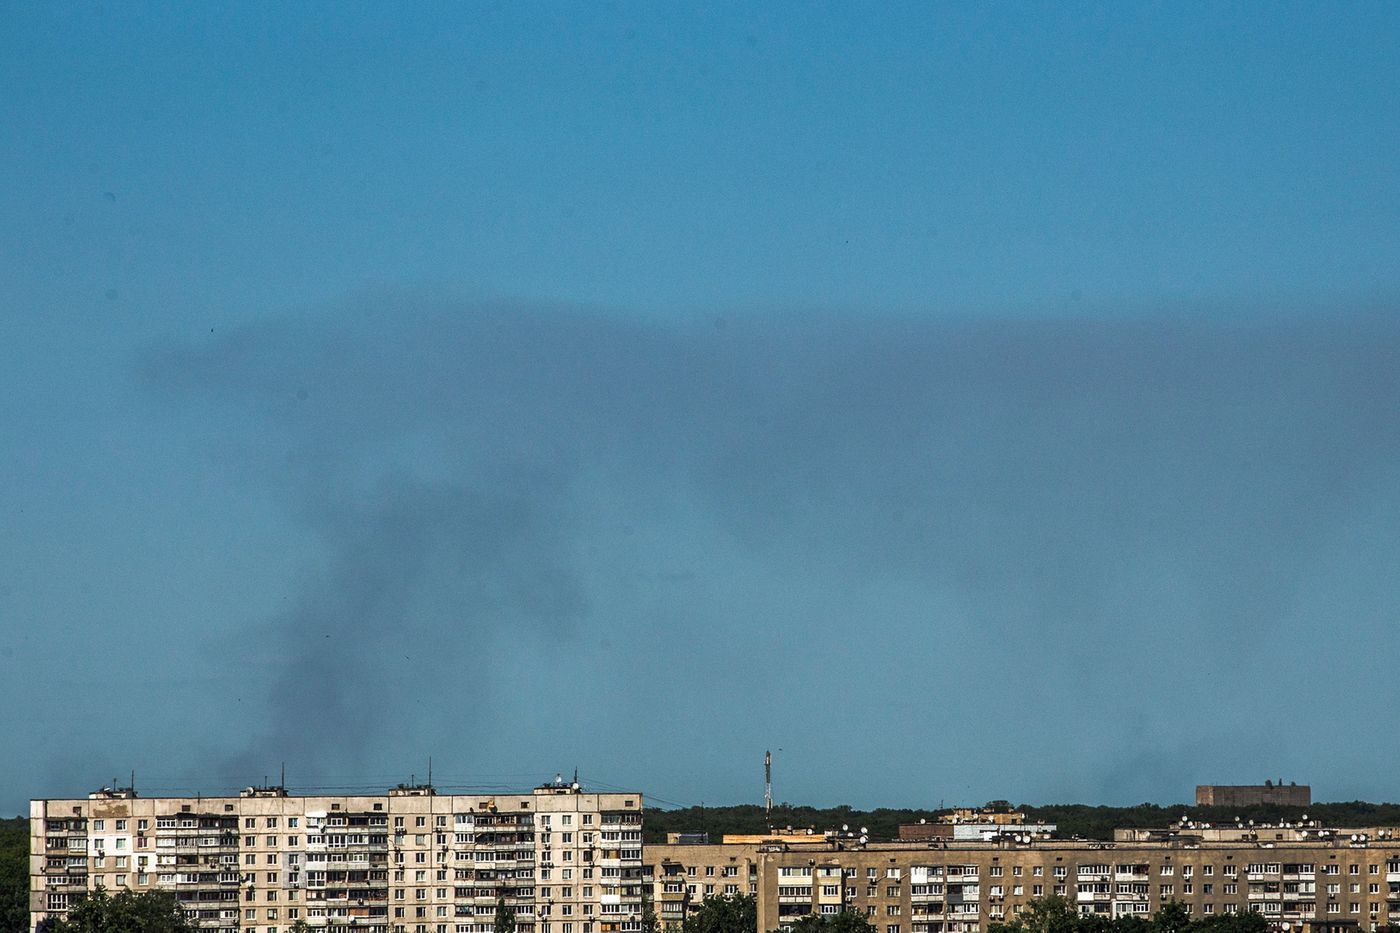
127 912
733 913
848 921
1058 915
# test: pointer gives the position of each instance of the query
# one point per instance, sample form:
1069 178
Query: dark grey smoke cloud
1147 504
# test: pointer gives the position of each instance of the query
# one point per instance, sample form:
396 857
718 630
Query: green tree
848 921
1172 917
128 912
505 917
301 926
14 875
732 913
649 923
1042 915
1248 922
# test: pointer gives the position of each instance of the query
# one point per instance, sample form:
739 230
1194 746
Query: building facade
408 861
960 887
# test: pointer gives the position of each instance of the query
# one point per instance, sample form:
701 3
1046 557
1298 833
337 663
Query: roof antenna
283 785
430 770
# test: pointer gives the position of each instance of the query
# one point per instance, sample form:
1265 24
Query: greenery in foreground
1082 820
14 875
1058 915
127 912
738 913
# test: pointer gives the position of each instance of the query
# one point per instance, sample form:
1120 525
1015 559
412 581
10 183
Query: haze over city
963 403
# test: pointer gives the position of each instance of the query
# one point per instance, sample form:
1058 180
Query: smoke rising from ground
1109 511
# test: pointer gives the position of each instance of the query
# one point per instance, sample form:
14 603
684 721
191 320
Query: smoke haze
1144 518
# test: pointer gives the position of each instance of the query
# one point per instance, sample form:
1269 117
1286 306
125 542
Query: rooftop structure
1249 795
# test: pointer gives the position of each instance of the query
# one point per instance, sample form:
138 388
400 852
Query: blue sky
972 401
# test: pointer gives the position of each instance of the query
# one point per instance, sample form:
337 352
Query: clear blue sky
970 400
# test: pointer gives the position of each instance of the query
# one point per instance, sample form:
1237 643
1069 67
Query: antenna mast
768 786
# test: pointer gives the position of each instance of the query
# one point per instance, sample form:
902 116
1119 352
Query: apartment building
960 887
682 875
407 861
